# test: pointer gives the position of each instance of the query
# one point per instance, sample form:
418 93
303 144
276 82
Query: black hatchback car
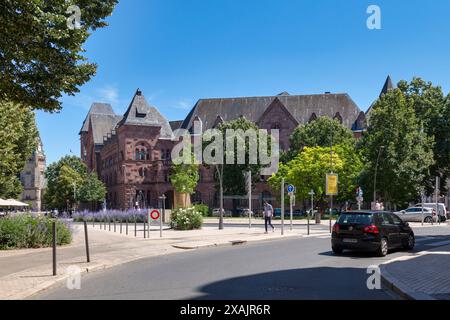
373 231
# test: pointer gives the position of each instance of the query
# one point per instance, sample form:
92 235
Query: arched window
141 153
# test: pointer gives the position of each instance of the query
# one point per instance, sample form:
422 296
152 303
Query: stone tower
33 178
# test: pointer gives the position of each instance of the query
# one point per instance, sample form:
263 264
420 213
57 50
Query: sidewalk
423 276
26 272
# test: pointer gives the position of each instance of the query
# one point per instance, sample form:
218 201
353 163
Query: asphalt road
301 268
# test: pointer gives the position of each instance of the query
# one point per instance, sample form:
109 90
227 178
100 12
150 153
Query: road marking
438 244
426 239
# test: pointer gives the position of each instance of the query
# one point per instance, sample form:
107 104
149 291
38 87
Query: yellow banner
332 184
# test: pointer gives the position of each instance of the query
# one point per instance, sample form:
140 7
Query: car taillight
371 229
336 228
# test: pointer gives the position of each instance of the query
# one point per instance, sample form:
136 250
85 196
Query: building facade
33 178
131 153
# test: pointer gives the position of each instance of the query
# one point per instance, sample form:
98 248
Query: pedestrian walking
268 214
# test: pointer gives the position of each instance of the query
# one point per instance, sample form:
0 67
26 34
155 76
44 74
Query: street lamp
375 178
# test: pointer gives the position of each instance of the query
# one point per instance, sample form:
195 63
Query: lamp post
375 178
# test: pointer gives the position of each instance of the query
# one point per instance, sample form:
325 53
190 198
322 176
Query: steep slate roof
140 113
99 109
301 108
388 85
102 124
176 124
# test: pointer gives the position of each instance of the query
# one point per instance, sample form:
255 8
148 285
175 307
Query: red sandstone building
131 153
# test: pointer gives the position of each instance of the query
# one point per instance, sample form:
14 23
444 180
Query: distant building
33 178
132 153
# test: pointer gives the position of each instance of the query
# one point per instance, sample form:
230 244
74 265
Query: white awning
12 203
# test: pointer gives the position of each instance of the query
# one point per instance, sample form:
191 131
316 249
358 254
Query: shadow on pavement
323 283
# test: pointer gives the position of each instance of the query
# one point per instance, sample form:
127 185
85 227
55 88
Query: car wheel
428 220
337 250
383 250
411 242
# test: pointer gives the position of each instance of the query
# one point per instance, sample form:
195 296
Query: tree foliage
69 183
308 170
40 56
432 109
407 154
320 132
18 137
233 174
185 176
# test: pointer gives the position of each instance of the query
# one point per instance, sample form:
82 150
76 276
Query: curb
398 287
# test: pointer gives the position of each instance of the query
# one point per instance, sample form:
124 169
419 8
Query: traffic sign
291 188
155 215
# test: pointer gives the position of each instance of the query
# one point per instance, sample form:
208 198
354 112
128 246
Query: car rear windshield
355 218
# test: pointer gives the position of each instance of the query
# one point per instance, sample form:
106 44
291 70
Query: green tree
40 56
18 136
185 176
432 108
308 170
395 136
319 133
68 183
92 190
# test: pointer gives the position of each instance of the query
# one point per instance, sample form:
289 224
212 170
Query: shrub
112 215
186 219
27 231
203 209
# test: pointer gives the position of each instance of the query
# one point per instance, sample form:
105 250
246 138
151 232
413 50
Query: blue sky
178 51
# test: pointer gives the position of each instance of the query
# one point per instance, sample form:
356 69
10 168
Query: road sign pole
249 181
290 203
331 214
282 206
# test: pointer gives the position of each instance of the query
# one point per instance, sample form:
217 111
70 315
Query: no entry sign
155 215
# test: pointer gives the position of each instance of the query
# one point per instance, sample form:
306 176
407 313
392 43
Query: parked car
442 210
373 231
415 214
216 212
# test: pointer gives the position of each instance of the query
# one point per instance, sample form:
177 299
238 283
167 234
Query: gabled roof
140 113
301 107
99 109
102 125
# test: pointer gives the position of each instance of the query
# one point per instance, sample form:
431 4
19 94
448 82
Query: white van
442 210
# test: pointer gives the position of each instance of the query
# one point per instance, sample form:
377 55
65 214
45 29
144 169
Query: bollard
54 247
126 221
120 226
114 225
109 224
135 228
145 230
86 240
93 222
